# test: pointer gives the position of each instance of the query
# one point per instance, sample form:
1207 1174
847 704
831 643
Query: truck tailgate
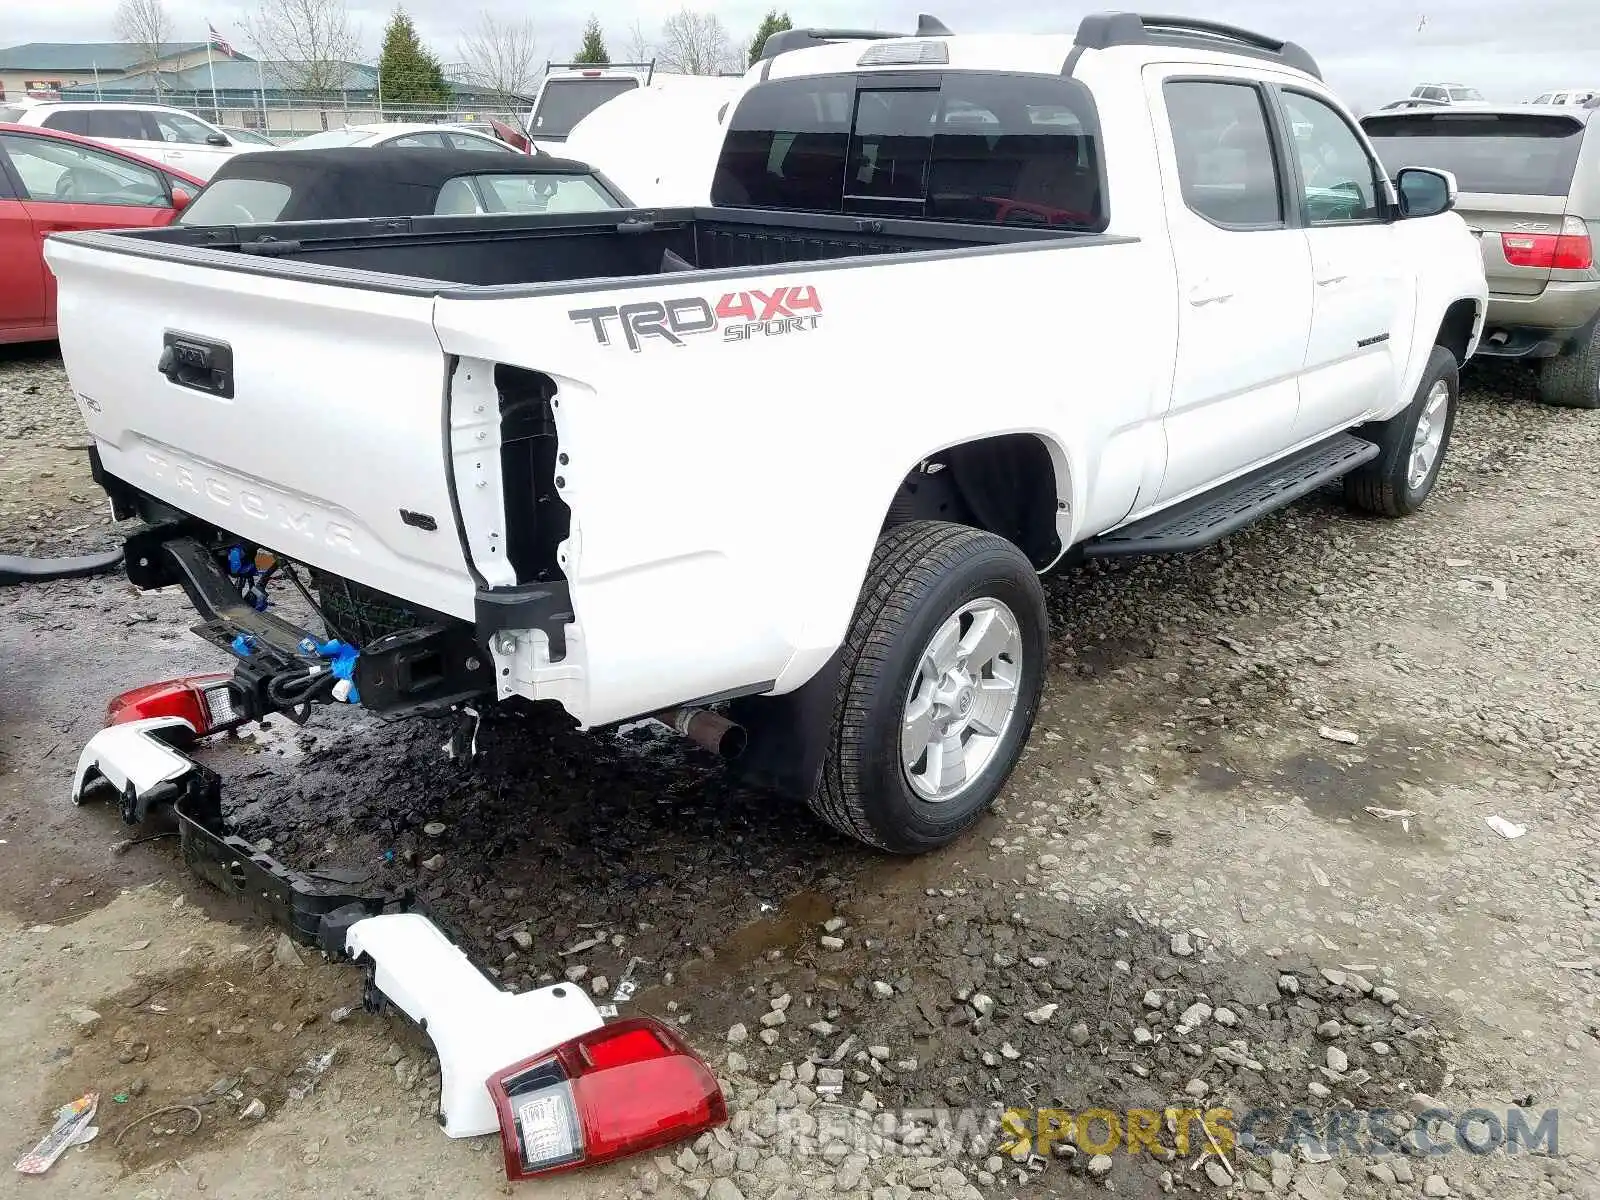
201 384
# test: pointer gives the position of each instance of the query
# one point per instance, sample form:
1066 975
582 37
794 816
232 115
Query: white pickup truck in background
962 309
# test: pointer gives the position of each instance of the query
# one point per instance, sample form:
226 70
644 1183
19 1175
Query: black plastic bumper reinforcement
315 908
1213 515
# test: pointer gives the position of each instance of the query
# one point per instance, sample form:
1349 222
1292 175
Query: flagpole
216 114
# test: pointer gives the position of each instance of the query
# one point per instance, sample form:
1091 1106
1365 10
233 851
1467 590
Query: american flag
218 42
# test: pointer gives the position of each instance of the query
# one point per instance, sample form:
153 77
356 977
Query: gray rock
286 954
86 1019
1142 1036
834 924
1402 1171
1288 985
1319 1090
253 1111
392 1055
1329 1030
406 1074
829 942
1100 1166
1381 1172
822 1028
1153 1000
771 1020
1196 1014
600 985
435 863
769 1037
1435 1185
881 990
1079 1033
1386 996
781 1003
1337 978
1338 1060
1042 1014
1226 1017
1334 1183
982 1005
738 1035
881 1053
1217 1173
738 1064
687 1160
1182 947
576 972
1196 1088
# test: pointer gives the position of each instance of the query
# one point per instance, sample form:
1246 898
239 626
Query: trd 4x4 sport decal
740 316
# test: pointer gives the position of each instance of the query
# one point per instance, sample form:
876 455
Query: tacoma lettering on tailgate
740 316
264 506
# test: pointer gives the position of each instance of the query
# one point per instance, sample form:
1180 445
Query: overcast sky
1371 50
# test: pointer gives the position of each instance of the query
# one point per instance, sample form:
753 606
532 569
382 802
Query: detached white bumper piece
476 1028
134 760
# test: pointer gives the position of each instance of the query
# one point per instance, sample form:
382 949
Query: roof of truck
933 46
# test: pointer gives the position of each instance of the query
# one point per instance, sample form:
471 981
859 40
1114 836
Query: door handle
1208 293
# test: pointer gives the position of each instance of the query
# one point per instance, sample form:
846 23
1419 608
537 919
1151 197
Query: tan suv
1529 180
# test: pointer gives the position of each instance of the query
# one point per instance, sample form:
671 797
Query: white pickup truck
962 309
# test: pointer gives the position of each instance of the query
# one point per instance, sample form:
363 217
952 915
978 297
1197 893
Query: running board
1213 515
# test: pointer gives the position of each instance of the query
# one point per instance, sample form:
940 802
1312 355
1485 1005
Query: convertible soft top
345 182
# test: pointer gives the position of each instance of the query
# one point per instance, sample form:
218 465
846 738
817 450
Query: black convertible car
350 183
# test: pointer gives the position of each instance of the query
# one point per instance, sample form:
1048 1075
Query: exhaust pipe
710 730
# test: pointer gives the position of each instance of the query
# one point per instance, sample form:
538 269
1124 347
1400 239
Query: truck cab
569 92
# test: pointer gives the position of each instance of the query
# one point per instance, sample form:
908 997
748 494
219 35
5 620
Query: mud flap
788 734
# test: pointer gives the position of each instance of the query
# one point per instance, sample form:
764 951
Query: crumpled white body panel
476 1028
132 754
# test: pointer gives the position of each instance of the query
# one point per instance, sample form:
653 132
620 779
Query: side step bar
1213 515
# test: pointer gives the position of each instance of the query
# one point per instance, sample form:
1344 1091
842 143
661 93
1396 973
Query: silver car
1529 180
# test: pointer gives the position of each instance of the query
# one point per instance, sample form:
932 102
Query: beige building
42 69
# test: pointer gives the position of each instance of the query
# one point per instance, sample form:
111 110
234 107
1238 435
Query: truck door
1360 297
1244 276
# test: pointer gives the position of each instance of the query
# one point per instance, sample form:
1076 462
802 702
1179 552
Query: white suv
157 131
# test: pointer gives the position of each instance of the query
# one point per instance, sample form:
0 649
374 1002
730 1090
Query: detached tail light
205 701
1569 250
627 1087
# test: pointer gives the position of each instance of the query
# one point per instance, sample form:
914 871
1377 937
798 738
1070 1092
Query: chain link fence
285 119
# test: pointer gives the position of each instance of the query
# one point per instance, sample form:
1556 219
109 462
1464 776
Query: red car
52 182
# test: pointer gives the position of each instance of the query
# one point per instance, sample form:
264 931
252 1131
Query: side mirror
218 139
180 199
1425 192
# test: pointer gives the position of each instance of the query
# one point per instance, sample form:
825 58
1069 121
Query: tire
1384 486
1573 380
923 574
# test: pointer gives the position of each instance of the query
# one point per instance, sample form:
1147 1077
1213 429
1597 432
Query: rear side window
1519 154
129 126
1226 166
69 122
994 149
237 202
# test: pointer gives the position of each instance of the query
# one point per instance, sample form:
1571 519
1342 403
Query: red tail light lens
622 1089
1569 250
205 701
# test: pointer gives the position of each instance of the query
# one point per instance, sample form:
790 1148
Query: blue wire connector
243 645
342 661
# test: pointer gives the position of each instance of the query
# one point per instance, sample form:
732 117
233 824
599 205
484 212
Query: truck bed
417 254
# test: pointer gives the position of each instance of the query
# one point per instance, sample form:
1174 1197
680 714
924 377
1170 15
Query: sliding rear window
988 148
1519 154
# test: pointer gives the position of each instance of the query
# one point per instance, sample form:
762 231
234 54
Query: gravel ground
1244 864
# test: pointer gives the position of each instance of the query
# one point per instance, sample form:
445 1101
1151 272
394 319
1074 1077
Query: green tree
593 50
773 22
410 74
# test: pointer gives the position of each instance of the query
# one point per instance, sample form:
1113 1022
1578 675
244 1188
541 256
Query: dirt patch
192 1058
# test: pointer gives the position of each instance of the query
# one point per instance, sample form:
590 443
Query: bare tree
500 56
637 48
145 25
694 43
312 41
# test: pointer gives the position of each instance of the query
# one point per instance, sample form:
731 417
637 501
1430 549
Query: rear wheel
1573 380
944 666
1411 445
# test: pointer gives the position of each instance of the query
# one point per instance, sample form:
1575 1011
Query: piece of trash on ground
1338 735
1319 874
71 1120
1482 585
1403 815
1506 829
310 1073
